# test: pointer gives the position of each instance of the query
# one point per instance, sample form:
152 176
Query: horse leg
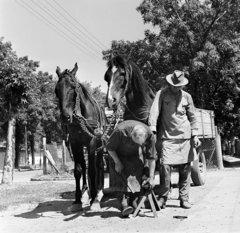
78 155
100 170
84 162
100 176
92 175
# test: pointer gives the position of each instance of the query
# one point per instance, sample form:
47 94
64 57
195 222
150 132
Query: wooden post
51 160
218 149
64 153
40 158
237 147
44 157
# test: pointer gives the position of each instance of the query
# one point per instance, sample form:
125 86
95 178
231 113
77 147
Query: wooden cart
206 130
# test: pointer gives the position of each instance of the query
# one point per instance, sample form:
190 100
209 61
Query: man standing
173 113
127 163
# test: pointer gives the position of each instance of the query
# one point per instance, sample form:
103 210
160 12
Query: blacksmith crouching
131 146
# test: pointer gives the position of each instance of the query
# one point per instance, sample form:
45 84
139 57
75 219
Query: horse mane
141 84
83 87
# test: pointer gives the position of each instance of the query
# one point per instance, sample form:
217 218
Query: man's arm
118 164
191 113
149 182
154 113
151 165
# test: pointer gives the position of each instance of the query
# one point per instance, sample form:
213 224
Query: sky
63 32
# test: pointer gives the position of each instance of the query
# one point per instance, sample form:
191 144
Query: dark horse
125 79
82 120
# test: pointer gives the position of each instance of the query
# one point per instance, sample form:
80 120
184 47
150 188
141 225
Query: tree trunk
17 149
10 153
26 147
32 146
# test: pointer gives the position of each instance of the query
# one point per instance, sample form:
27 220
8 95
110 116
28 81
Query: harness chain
83 121
116 116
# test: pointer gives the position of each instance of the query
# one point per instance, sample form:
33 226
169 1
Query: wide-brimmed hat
177 79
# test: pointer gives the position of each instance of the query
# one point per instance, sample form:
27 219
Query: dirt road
216 208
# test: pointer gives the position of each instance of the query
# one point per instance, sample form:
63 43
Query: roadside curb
51 179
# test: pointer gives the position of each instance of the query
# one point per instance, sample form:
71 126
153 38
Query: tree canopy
29 96
200 37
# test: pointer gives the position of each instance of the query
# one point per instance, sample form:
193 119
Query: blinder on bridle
94 125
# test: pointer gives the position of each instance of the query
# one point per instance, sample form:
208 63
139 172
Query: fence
209 150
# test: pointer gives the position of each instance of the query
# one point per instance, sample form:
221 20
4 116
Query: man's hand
196 141
119 167
151 182
118 164
148 183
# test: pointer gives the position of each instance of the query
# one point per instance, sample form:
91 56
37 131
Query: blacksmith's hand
119 167
151 182
148 184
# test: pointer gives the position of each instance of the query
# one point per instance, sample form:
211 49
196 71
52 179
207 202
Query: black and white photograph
120 116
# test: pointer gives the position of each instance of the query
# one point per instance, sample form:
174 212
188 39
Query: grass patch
54 176
26 193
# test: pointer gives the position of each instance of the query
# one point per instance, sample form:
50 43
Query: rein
81 119
84 123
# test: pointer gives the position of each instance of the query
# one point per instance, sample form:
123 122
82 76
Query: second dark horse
82 120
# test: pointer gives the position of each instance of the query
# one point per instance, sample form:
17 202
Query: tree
96 92
202 39
15 78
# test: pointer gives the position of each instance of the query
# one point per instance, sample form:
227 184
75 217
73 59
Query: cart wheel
199 169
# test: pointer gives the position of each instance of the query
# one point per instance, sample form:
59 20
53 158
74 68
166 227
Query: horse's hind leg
96 177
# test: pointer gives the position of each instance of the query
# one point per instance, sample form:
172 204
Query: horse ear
74 71
58 71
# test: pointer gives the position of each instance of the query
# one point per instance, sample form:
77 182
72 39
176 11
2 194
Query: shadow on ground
64 206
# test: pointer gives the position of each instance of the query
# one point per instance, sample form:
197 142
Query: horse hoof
76 207
95 206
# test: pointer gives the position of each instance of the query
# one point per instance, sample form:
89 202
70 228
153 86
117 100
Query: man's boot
123 200
185 204
162 202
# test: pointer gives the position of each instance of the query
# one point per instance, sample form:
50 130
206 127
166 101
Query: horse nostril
114 100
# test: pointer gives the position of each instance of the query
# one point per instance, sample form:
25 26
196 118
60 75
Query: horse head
65 92
125 79
117 78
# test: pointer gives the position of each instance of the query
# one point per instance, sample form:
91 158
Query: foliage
28 96
202 39
96 92
15 78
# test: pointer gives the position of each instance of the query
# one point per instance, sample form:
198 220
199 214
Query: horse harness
96 127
